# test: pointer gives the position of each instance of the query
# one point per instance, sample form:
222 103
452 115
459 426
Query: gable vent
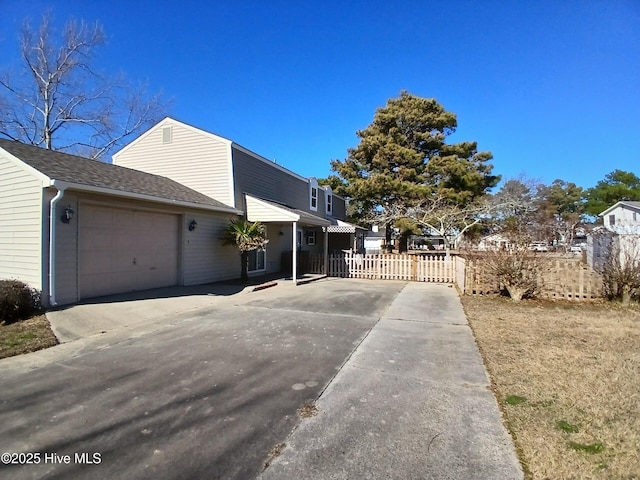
167 135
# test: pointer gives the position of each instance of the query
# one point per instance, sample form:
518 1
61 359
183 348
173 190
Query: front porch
299 242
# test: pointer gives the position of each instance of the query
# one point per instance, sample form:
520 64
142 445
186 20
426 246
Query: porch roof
260 210
340 226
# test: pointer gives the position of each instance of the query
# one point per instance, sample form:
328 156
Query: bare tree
442 217
621 267
58 101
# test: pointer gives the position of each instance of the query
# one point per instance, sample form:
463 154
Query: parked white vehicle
538 247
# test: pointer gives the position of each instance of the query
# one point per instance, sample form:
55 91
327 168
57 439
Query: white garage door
125 250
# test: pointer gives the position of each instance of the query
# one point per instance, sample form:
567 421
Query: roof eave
621 203
63 185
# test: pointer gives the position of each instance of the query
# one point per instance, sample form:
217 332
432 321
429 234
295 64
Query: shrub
621 268
518 270
18 301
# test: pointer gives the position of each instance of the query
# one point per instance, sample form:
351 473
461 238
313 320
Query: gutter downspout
52 242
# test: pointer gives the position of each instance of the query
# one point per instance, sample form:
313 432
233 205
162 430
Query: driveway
392 367
206 397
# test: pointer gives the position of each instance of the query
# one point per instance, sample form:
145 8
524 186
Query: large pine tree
403 157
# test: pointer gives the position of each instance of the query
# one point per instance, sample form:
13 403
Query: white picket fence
422 268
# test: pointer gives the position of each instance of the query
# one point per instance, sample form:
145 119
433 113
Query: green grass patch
590 448
19 339
567 427
515 400
26 336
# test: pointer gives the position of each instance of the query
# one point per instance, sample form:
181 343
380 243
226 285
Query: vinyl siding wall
66 259
205 259
260 179
20 225
624 221
339 207
277 244
195 159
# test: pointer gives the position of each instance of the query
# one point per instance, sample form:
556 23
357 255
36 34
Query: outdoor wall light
193 225
67 215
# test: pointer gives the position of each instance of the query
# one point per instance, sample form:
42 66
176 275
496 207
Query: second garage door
122 250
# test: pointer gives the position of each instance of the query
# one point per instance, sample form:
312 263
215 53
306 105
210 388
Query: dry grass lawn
568 380
26 336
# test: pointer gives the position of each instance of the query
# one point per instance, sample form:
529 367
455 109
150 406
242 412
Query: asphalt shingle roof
74 169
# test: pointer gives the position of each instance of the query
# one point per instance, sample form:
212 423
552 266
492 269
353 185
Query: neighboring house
623 218
299 214
375 240
76 228
620 235
494 243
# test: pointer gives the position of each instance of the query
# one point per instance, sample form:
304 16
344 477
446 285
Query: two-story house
620 235
76 228
623 217
299 214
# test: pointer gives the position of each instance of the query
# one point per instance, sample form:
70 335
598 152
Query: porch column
326 251
294 260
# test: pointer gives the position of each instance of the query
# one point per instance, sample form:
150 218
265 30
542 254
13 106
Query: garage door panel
125 241
97 217
93 239
126 250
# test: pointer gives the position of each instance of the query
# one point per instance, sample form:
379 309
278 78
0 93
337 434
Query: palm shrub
247 236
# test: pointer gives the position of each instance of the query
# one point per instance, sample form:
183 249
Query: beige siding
20 220
205 258
258 210
280 237
66 258
196 159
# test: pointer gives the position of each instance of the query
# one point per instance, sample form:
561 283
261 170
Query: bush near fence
560 278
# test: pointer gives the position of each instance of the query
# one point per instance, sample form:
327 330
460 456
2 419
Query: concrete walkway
412 402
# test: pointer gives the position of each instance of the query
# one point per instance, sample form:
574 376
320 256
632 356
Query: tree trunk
244 260
403 245
626 295
387 240
516 293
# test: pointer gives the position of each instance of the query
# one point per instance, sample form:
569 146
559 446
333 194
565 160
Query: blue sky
551 88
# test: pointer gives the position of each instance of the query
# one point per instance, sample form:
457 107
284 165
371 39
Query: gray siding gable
256 177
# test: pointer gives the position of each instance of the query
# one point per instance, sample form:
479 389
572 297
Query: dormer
328 200
313 194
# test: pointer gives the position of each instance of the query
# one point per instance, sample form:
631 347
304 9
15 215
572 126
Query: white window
256 260
313 194
311 238
329 200
612 219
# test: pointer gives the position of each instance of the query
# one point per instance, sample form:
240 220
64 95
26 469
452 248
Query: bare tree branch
61 102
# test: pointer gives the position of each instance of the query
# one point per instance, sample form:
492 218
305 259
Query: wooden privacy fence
420 268
559 278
